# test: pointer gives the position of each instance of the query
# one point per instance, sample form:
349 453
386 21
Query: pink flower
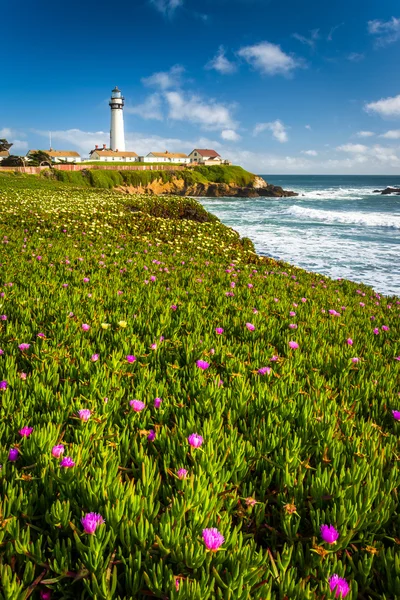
45 594
153 346
376 331
219 330
195 440
130 358
340 584
292 313
40 335
57 451
91 521
182 473
355 360
173 307
85 327
94 357
157 402
349 341
264 370
25 431
250 326
84 414
385 328
304 299
13 454
329 534
212 538
396 414
23 376
274 358
362 304
137 405
293 345
152 435
292 326
86 279
250 285
24 347
67 462
202 364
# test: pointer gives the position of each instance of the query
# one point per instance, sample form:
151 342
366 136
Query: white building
4 154
59 156
165 157
107 155
117 135
207 157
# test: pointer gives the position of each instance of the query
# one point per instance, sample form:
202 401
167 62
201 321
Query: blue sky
277 86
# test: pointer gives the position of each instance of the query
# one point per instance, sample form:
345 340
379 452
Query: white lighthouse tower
117 136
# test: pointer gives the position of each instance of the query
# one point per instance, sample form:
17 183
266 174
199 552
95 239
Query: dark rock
388 190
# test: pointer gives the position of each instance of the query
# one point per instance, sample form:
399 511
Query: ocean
337 226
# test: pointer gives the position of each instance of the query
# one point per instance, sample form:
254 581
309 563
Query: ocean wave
336 193
346 218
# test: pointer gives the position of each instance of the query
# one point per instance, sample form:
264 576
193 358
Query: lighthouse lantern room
117 136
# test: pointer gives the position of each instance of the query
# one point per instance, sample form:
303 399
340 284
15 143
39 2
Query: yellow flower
105 325
122 323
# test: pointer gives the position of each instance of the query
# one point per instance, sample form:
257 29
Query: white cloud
207 113
353 148
150 109
221 64
332 31
385 107
393 134
167 7
20 145
270 59
230 135
310 152
165 79
364 134
277 127
314 36
308 127
355 56
387 32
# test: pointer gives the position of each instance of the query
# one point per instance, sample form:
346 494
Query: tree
39 159
4 145
13 161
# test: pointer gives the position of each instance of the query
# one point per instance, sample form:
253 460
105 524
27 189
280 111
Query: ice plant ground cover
292 493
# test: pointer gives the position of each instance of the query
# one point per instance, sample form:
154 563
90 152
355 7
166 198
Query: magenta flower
67 462
57 451
157 402
385 328
264 370
293 345
25 431
91 521
94 357
13 454
84 414
376 331
362 304
292 313
173 307
85 327
152 435
329 534
24 347
250 285
45 595
3 384
355 360
3 317
195 440
219 330
40 335
292 326
396 414
130 358
212 538
250 326
137 405
274 358
349 341
182 473
153 346
86 279
202 364
340 584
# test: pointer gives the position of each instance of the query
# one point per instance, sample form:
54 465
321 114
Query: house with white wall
59 156
4 154
107 155
166 157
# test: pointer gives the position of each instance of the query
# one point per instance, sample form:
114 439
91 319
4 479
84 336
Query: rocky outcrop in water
178 187
387 191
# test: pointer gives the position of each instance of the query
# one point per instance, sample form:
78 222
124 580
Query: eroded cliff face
179 187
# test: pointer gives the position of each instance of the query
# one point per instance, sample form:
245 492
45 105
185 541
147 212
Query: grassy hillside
110 179
158 380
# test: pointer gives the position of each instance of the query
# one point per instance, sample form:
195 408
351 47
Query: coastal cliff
179 187
215 182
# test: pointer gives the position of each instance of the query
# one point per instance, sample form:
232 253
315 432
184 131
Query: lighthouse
117 136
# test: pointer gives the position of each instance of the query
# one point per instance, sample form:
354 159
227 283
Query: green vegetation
111 300
109 179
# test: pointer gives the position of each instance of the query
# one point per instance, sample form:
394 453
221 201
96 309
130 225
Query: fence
83 167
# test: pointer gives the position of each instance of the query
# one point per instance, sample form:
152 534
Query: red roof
210 153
